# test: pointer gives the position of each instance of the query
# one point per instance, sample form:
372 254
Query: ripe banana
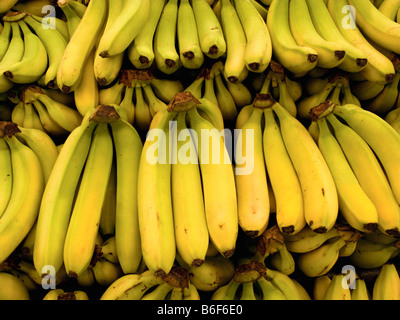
58 197
211 35
13 288
128 148
191 232
218 184
49 125
360 292
235 69
252 186
387 284
190 52
122 31
379 68
355 206
225 101
338 289
321 283
7 5
283 178
366 90
165 53
297 59
141 51
6 175
80 46
369 174
258 51
330 53
27 189
5 37
389 8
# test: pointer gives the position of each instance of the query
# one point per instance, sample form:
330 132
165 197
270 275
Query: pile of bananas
199 150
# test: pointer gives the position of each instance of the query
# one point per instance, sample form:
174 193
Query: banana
295 58
379 68
127 103
235 69
366 90
376 26
55 45
43 146
131 286
307 240
106 272
319 191
224 98
282 261
154 197
59 24
269 291
35 7
155 104
13 288
190 53
369 255
354 204
320 260
258 52
18 113
166 89
32 119
79 7
159 293
360 292
211 36
49 125
128 148
166 56
348 96
386 99
219 188
80 46
368 170
386 285
86 95
355 59
337 290
7 5
389 8
284 283
359 121
285 98
191 232
141 51
58 197
83 227
34 61
112 94
5 38
252 187
240 94
13 55
283 178
6 176
393 119
27 189
211 111
321 283
143 115
72 17
122 31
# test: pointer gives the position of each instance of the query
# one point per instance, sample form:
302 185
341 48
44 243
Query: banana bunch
175 285
286 151
39 110
27 158
253 281
387 284
141 95
179 154
75 188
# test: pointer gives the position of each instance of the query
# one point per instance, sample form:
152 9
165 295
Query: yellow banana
143 115
5 37
48 123
128 148
337 289
6 175
386 285
321 283
13 288
224 98
7 5
360 292
389 8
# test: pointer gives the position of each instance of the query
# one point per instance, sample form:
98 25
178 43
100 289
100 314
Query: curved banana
191 232
155 104
219 187
73 18
190 53
154 197
122 31
284 283
390 8
80 46
31 119
112 94
211 35
320 260
376 26
166 89
235 70
319 191
13 288
321 283
128 148
58 197
336 289
387 284
379 68
366 90
225 100
354 204
143 115
7 5
252 185
106 272
240 94
283 178
166 56
360 292
5 38
85 217
295 58
258 52
49 125
370 175
6 175
27 189
211 111
355 59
